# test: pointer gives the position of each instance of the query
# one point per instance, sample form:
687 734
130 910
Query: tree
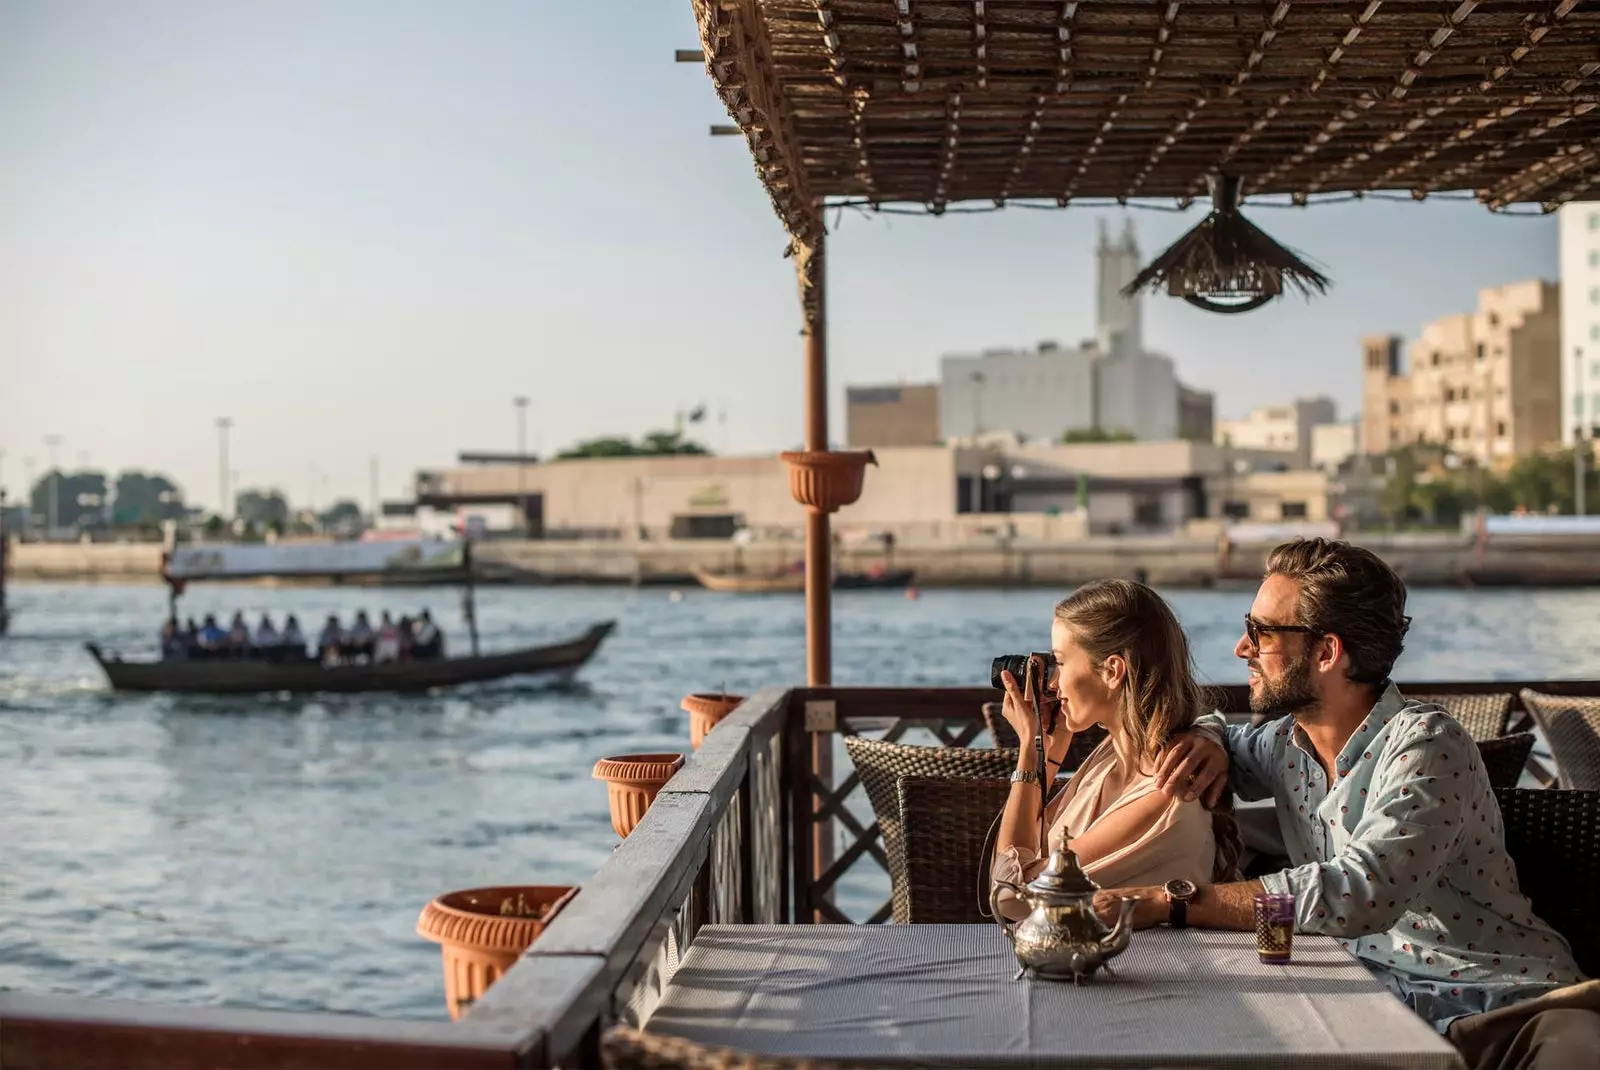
80 498
653 444
343 516
1075 435
145 499
258 509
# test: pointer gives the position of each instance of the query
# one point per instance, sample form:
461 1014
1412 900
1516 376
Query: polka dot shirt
1402 859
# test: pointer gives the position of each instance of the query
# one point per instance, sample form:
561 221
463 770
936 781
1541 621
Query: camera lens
1015 664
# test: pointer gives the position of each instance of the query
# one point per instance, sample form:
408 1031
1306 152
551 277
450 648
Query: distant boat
246 676
793 582
412 561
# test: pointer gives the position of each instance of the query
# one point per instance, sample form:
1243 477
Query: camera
1017 666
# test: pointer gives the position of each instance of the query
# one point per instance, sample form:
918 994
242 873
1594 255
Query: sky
359 230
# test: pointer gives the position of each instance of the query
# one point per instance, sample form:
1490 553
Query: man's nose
1242 648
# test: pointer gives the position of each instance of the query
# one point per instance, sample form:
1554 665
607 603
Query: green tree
1096 434
653 444
259 508
80 498
343 515
145 499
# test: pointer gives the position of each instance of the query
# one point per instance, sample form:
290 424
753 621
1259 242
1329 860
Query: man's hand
1192 767
1151 911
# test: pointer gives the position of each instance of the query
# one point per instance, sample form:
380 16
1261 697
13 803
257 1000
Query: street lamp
223 423
54 441
521 403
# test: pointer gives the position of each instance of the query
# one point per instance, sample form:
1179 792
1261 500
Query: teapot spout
1115 941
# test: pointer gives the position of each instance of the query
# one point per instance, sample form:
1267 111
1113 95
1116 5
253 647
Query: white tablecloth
943 995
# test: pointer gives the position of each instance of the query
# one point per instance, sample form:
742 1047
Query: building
1110 383
1579 229
1385 395
899 415
1484 384
918 492
1279 427
1334 444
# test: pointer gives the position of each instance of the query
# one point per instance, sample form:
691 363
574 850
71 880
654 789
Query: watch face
1181 889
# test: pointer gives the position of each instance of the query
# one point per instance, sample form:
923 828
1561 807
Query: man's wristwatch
1179 892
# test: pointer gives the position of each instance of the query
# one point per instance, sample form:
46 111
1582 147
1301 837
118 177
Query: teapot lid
1062 877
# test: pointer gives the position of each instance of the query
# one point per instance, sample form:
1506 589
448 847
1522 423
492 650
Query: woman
1122 661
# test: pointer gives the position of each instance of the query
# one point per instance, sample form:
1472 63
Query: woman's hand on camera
1020 710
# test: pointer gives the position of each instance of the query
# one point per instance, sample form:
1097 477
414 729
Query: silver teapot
1062 937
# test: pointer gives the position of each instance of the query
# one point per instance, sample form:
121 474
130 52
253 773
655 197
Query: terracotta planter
705 712
632 782
824 480
479 943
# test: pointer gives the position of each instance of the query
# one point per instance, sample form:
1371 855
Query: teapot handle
1008 926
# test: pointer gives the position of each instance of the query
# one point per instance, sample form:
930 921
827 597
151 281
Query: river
275 852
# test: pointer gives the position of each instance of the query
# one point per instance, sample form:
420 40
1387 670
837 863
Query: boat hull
245 677
794 582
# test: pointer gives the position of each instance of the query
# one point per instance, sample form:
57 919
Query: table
932 995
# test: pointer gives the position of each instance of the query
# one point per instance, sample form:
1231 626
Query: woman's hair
1159 697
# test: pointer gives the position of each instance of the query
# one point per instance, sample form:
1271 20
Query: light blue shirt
1403 858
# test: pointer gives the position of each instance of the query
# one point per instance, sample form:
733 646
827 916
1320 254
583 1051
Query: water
275 852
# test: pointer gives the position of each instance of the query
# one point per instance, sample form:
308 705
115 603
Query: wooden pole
819 540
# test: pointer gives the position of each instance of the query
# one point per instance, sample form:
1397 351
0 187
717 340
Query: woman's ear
1114 672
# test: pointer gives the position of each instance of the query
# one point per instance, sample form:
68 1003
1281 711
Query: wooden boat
240 676
794 582
410 561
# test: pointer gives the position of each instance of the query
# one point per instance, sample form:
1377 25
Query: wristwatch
1179 892
1024 776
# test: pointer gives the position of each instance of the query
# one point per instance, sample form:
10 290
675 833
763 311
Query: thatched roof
936 102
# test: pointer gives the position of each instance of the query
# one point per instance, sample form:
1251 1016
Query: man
1387 816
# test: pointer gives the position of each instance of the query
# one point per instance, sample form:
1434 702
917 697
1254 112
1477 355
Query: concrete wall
1039 393
1579 230
892 415
1137 392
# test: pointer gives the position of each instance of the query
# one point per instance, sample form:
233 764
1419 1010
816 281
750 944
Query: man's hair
1350 592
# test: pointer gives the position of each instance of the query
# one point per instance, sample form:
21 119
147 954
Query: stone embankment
1171 561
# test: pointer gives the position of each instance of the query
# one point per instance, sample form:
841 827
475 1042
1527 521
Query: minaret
1118 327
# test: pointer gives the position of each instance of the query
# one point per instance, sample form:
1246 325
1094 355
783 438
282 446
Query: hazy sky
360 228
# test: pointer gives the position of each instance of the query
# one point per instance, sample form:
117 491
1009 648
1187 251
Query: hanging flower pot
632 782
705 712
824 480
483 931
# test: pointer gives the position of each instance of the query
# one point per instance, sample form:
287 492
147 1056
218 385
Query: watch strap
1177 912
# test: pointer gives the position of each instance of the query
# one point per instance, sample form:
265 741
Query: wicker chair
1571 726
1484 716
946 823
1554 839
625 1048
1004 736
881 764
1505 758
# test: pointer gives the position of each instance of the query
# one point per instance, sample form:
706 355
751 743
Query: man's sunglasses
1254 629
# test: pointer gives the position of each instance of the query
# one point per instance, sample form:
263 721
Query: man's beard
1289 693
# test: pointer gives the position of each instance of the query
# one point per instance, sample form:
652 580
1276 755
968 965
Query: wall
1137 392
1037 393
1579 237
892 415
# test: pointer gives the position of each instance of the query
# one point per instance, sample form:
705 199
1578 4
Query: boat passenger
1122 662
212 637
171 640
268 640
238 641
189 636
358 640
293 640
387 646
429 641
1381 844
408 636
330 644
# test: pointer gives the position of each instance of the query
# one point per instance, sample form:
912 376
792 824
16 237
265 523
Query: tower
1118 319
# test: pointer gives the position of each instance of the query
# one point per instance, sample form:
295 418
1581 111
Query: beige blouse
1179 844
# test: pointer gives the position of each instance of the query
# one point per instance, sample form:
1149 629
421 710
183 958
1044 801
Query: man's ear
1330 653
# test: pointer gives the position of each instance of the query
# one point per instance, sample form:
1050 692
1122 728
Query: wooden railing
755 828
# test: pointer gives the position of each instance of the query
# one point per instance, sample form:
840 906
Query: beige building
1286 427
1485 385
926 492
899 415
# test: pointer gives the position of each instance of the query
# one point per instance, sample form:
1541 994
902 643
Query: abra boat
411 561
793 582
